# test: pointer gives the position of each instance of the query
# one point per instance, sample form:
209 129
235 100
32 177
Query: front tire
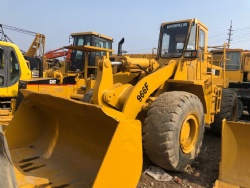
173 130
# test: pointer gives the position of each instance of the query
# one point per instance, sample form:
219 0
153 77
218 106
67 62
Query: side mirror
191 54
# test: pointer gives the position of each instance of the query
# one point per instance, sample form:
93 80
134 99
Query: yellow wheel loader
161 105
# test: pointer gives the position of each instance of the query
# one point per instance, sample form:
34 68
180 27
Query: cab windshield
233 60
173 39
77 56
90 40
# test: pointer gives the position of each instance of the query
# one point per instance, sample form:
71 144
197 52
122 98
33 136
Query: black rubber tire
162 130
247 104
240 108
88 95
228 110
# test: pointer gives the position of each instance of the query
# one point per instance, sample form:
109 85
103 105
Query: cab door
9 71
4 56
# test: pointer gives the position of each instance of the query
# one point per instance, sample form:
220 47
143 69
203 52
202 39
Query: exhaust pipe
120 46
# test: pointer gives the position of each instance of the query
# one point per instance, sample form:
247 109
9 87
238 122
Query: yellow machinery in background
37 46
35 52
237 71
66 82
69 85
74 59
234 169
160 105
238 63
77 75
13 67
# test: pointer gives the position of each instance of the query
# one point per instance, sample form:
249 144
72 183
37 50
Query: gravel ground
202 173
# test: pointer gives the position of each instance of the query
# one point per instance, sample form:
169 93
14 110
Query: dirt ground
203 172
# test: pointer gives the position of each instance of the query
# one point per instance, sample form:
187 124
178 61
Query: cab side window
1 66
201 44
1 58
14 68
201 41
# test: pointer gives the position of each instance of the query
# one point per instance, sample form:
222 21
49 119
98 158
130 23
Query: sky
138 21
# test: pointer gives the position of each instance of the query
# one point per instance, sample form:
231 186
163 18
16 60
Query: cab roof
91 33
188 20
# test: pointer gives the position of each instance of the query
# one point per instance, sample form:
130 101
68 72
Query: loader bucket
235 155
56 142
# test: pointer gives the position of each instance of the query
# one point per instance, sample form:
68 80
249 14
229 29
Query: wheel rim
189 133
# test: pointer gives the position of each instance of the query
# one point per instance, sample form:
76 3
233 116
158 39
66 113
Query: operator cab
183 38
9 67
89 39
173 39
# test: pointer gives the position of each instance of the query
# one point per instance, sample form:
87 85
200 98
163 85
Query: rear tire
247 102
173 130
228 111
240 108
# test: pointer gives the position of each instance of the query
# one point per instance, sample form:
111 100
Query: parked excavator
57 58
161 105
60 52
